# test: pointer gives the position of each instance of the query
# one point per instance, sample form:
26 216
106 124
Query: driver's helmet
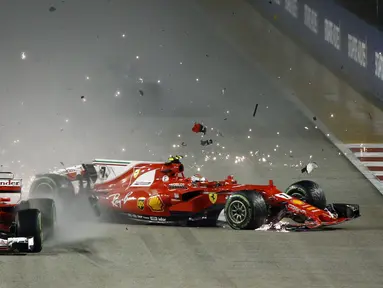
198 178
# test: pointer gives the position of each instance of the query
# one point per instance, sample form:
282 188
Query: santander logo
10 183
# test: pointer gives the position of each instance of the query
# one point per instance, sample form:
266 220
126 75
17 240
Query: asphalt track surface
88 254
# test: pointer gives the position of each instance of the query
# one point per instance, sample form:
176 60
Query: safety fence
337 38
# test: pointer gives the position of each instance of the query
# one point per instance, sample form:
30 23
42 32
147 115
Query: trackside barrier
339 39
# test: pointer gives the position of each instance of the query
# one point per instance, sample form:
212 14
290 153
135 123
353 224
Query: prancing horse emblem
213 197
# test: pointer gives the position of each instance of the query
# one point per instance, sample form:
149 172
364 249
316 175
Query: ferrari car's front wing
333 214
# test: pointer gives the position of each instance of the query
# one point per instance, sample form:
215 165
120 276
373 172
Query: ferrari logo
213 197
136 172
141 203
155 204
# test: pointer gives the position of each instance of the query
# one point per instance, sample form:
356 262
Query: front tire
309 192
29 224
245 210
47 209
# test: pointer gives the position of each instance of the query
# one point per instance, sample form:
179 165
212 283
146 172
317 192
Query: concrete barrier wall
340 40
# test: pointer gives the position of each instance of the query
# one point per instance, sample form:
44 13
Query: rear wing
6 175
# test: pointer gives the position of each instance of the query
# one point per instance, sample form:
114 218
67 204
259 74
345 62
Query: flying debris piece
52 9
206 142
199 128
255 110
183 144
83 98
141 92
315 118
23 56
223 91
225 119
309 167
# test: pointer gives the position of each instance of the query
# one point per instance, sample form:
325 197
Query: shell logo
155 204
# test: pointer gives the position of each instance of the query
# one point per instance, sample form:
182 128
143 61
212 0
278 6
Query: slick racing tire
309 192
52 186
47 209
29 224
245 210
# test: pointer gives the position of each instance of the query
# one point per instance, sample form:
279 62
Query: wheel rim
237 212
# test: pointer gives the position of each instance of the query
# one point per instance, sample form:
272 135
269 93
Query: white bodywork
145 180
111 169
6 175
75 170
108 170
7 244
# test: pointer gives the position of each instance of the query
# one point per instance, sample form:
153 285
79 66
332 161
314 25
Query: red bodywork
171 193
9 198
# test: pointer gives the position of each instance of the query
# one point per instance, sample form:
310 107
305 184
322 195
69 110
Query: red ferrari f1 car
23 224
158 192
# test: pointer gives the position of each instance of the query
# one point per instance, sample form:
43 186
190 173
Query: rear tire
53 186
246 210
29 224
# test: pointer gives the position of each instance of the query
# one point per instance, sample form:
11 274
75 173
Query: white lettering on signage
357 50
332 33
379 65
292 7
311 19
